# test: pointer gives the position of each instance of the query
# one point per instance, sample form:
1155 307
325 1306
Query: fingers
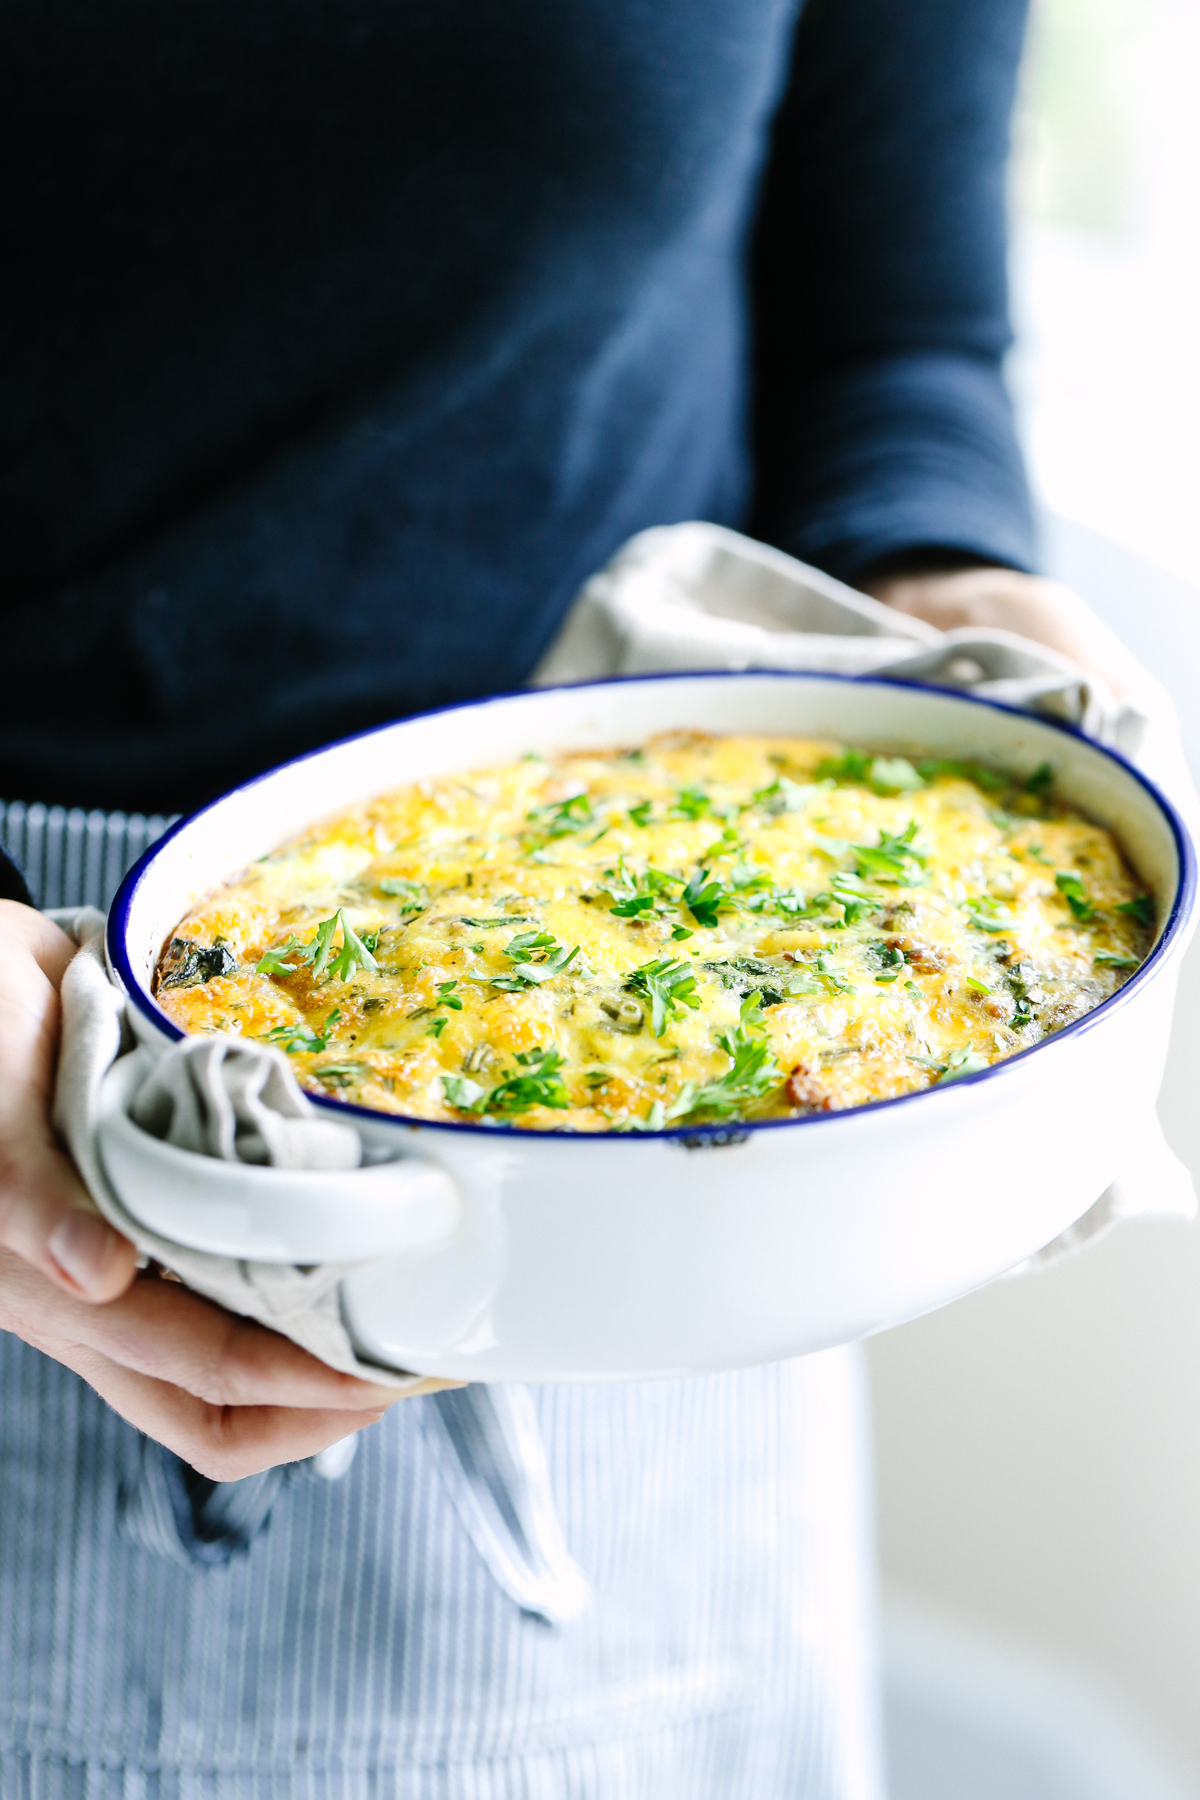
223 1442
163 1331
228 1395
46 1215
1007 600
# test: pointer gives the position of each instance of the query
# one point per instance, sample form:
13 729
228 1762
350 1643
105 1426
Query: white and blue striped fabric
655 1591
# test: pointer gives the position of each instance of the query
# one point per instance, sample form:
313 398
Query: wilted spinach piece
189 964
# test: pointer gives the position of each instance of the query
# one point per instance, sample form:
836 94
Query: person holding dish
342 349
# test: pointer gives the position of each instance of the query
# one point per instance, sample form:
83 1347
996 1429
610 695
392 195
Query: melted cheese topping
700 930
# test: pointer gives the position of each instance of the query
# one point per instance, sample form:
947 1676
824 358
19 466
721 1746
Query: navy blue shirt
341 339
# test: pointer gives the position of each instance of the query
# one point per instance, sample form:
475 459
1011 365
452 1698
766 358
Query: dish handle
262 1214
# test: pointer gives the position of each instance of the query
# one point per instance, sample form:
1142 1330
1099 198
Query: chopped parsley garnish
273 961
691 803
318 953
1075 894
668 984
446 997
783 796
891 960
703 896
885 774
559 818
847 891
967 1061
1141 908
634 895
752 1074
834 980
894 775
537 1081
852 765
892 861
988 915
537 956
297 1039
992 781
640 814
977 987
1109 959
1041 781
412 896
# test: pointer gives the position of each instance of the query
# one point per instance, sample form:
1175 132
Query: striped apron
387 1626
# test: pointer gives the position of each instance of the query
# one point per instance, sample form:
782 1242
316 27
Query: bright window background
1106 269
1039 1443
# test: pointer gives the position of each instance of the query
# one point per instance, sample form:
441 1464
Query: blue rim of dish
731 1129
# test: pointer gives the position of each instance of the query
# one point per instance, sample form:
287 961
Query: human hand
1006 600
228 1395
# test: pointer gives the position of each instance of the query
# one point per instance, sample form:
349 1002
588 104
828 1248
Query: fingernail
81 1247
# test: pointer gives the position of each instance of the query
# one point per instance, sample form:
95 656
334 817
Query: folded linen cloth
220 1103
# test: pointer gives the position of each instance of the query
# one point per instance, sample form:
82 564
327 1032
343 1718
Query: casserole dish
572 1257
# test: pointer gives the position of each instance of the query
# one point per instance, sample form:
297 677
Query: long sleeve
880 289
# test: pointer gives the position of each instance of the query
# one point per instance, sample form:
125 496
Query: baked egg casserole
696 931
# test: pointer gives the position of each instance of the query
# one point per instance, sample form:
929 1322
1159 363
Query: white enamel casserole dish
552 1256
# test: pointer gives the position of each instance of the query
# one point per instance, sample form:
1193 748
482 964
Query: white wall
1039 1443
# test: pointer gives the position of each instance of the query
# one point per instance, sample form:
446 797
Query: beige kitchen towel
235 1100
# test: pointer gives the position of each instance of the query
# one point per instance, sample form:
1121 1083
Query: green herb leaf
668 985
353 954
1041 781
703 896
892 861
1109 959
538 1082
1141 908
296 1039
894 775
691 803
463 1093
640 814
1073 891
559 818
490 924
274 961
988 915
992 781
412 895
341 1074
967 1061
978 987
436 1029
834 980
753 1073
852 765
783 796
